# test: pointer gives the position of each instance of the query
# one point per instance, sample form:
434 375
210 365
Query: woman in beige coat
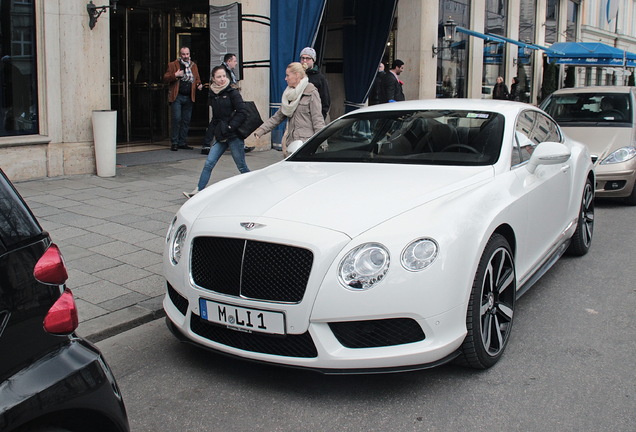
301 107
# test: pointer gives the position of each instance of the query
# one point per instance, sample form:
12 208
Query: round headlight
621 155
364 266
176 248
419 254
170 228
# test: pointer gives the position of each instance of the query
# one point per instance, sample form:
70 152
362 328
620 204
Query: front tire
491 306
631 199
582 238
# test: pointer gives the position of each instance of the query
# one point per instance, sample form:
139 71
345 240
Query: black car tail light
62 317
50 268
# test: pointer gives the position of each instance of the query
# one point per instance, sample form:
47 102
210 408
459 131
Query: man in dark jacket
393 84
308 59
183 77
377 94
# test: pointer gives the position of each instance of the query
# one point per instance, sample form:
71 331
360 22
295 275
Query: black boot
174 147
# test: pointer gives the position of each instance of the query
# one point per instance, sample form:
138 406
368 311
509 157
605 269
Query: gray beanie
309 52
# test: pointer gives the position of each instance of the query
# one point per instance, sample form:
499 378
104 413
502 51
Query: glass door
139 40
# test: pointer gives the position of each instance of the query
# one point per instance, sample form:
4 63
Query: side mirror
548 153
294 146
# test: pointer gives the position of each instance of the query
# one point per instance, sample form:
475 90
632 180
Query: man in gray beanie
308 60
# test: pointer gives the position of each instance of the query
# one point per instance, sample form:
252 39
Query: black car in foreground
50 379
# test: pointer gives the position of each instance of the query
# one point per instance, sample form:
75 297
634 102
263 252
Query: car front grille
251 269
300 345
377 333
180 302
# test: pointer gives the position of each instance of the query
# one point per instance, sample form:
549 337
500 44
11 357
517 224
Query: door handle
565 168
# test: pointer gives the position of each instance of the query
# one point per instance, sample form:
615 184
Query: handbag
252 120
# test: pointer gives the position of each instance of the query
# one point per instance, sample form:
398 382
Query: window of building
573 18
452 61
551 19
494 52
18 72
527 30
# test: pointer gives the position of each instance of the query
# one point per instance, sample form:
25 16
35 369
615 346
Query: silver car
602 118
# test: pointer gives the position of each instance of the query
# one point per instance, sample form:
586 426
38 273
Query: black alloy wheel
582 238
491 306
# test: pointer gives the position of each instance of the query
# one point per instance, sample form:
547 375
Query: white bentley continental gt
397 238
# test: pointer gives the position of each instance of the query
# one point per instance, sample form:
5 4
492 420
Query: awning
590 54
486 37
502 39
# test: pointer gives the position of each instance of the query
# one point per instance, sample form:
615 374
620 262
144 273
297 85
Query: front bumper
615 181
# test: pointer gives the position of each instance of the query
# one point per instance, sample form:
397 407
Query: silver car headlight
170 228
419 254
178 243
364 266
621 155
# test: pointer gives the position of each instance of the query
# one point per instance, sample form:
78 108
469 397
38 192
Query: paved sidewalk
111 232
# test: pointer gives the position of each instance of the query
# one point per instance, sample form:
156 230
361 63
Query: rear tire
582 238
491 306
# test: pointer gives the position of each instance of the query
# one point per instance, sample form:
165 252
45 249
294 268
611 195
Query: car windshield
427 137
589 108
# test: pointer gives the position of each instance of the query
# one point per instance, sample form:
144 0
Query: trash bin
105 136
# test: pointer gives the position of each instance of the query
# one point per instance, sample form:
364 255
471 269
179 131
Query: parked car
50 379
399 237
602 118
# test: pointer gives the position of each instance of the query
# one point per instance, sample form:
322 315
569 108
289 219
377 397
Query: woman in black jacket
228 113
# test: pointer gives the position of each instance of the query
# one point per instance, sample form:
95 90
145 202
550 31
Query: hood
600 141
345 197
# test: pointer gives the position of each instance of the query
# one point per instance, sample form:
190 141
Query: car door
545 193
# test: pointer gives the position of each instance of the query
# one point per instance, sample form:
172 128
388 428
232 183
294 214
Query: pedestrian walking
300 106
515 91
183 77
308 59
377 94
228 113
394 92
500 90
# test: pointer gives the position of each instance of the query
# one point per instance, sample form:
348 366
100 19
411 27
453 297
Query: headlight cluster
178 244
366 265
621 155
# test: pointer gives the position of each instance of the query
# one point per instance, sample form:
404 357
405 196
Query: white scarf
291 97
188 71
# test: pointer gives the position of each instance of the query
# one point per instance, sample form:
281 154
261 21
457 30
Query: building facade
56 69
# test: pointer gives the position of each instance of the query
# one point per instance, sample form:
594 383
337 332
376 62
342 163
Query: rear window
17 223
598 108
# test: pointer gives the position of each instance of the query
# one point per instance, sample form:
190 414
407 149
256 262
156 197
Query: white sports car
397 238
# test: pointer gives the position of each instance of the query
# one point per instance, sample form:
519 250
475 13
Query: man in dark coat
308 59
377 94
394 92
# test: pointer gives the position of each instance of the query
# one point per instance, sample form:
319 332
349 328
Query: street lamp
95 11
450 27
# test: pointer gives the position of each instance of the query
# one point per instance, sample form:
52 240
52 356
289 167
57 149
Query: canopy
590 54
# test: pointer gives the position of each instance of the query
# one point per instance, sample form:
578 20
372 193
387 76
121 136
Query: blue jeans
181 115
237 147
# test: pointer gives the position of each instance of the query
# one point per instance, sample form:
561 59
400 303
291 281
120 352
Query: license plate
243 319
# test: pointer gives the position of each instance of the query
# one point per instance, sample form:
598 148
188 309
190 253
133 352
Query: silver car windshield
428 137
597 108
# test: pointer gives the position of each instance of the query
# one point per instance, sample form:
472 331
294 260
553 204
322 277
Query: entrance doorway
139 40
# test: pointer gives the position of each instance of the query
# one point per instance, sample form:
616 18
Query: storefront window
452 61
18 77
525 57
494 52
551 15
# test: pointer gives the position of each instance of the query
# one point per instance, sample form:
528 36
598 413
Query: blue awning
486 37
524 44
590 54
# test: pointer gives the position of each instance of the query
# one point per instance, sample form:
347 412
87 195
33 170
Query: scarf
291 97
188 71
216 89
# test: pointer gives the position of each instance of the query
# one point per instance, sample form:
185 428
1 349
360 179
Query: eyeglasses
305 58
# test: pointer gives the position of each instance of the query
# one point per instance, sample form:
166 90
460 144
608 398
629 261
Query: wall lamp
95 11
450 27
